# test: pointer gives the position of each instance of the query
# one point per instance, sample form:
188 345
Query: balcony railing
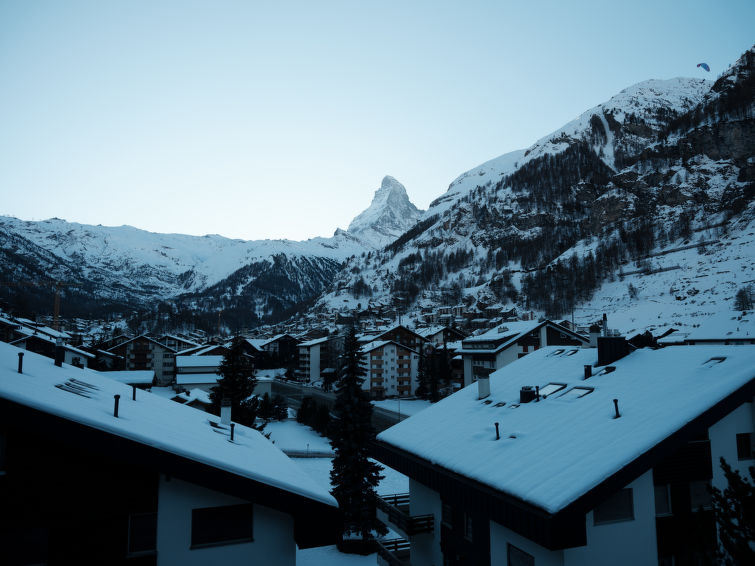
393 552
396 507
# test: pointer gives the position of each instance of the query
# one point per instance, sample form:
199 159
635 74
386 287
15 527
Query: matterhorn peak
390 214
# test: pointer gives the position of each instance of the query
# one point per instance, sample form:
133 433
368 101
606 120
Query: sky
259 120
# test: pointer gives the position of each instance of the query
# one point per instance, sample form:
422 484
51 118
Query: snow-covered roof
314 342
29 333
86 397
179 339
136 377
375 344
554 451
195 361
194 378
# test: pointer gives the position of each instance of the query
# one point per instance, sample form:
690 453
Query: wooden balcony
393 552
396 512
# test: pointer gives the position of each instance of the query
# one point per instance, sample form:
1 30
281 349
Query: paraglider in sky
704 66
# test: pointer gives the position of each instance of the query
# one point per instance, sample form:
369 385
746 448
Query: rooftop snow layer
553 451
195 361
150 420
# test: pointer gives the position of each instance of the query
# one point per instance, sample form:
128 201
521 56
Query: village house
506 343
95 472
391 369
145 353
439 335
575 456
177 343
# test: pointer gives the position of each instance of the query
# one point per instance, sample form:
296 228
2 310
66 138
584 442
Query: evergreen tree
236 384
735 515
354 476
743 299
423 377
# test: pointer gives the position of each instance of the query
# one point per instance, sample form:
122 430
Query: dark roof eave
308 533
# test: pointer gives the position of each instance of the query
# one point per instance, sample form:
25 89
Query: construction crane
57 285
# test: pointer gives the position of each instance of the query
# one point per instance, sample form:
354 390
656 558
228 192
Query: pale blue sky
279 119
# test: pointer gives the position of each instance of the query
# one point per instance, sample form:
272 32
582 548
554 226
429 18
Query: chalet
439 335
555 459
282 349
396 333
487 352
46 346
177 343
197 372
95 472
722 329
145 353
314 356
391 369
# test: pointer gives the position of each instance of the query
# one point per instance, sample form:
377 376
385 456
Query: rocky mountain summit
390 215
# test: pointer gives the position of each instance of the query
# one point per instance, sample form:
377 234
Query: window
618 507
468 532
142 533
221 525
662 500
699 496
744 446
446 515
517 557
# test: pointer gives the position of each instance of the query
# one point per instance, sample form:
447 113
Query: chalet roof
178 338
28 335
506 334
195 361
553 452
85 398
145 337
135 377
375 344
314 342
717 328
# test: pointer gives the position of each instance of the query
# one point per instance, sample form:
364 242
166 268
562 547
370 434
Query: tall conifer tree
354 476
236 384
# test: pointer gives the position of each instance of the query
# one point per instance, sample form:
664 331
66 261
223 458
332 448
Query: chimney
60 353
20 362
225 411
588 371
594 334
527 394
611 348
483 387
605 324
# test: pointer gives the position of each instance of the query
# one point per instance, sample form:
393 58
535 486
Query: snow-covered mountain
136 268
662 165
390 215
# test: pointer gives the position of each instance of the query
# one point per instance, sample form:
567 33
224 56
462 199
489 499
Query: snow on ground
699 283
319 470
291 435
329 556
405 407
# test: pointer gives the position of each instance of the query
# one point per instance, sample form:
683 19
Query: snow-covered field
290 435
404 407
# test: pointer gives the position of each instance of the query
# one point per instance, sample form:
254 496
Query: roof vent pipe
20 362
233 425
537 393
616 408
115 407
588 371
133 392
59 352
225 411
483 387
497 432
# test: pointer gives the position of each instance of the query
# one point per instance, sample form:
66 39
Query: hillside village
554 364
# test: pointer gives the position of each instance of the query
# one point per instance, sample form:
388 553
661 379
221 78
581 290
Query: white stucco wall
273 543
723 442
314 363
623 543
505 357
425 549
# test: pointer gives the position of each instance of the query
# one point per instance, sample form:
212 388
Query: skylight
551 388
576 393
714 361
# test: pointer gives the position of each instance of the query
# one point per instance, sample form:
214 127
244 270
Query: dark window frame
615 515
222 525
520 556
744 446
148 517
